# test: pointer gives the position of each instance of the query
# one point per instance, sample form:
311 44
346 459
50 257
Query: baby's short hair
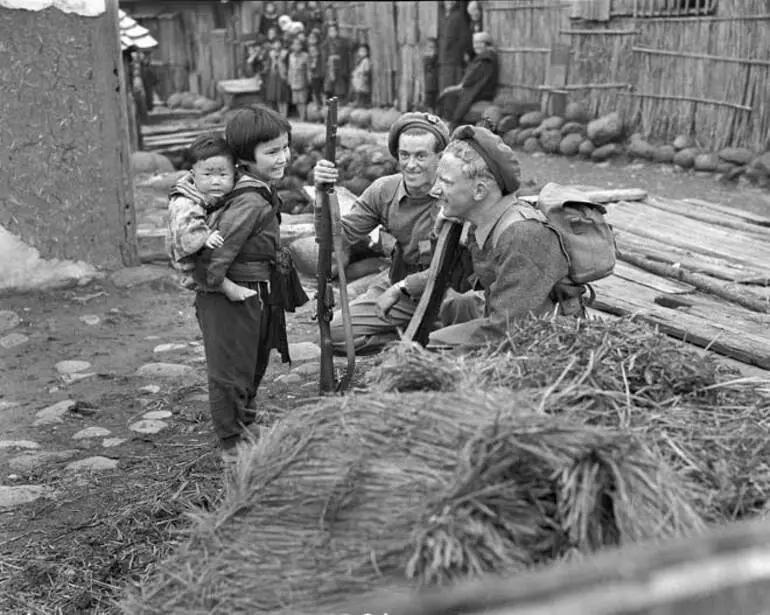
208 146
252 126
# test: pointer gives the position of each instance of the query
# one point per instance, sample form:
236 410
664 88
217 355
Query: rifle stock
325 295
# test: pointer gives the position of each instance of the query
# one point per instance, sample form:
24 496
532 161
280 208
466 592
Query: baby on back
195 196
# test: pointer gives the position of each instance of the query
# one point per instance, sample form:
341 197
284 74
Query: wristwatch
404 290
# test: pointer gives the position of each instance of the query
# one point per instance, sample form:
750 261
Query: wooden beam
598 31
701 56
692 99
691 18
590 86
524 50
525 7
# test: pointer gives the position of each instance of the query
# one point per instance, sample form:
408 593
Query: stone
12 340
90 319
150 162
736 155
586 148
604 152
307 369
706 162
137 276
685 158
552 123
531 119
96 463
199 398
54 414
683 142
32 461
70 378
639 148
664 153
8 320
532 145
161 348
165 371
507 123
570 128
21 494
289 379
152 389
510 137
570 144
606 129
7 405
23 444
550 140
156 415
148 426
72 367
577 112
151 338
112 442
91 432
304 351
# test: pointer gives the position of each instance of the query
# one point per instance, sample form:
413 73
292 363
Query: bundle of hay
371 490
711 427
624 356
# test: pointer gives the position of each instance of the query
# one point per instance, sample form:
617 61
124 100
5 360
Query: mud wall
65 178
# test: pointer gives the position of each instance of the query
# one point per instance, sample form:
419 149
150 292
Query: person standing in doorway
455 44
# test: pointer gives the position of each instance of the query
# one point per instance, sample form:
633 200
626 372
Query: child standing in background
361 79
430 73
299 77
316 69
275 80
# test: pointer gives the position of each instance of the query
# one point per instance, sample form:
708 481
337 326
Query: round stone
110 442
170 371
8 320
148 426
90 319
92 464
12 340
91 432
25 444
20 494
72 367
155 415
152 389
161 348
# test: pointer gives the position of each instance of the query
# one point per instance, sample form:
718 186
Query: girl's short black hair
208 146
250 127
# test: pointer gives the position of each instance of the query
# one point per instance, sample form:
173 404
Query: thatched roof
134 35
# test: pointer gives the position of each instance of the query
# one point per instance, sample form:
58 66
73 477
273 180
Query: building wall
65 182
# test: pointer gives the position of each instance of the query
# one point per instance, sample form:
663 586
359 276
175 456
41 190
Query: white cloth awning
134 35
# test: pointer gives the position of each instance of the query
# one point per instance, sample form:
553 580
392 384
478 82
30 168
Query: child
195 196
430 72
299 77
361 79
316 70
274 79
269 18
238 337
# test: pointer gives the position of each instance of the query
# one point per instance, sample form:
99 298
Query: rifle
328 236
446 257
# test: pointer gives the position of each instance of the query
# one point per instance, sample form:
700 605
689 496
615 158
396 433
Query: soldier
403 206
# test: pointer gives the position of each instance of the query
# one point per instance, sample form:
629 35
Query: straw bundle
620 356
372 490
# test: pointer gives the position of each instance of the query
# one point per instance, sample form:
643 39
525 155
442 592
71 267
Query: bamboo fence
669 68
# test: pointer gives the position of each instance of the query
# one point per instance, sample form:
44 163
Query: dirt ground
72 550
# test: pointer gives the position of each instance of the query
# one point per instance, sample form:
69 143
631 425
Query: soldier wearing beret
403 205
518 264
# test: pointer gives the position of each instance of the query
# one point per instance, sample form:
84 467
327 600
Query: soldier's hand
386 301
325 172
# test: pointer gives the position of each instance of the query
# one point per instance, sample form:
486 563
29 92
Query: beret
427 121
499 157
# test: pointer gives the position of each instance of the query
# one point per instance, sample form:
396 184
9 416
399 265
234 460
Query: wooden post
118 92
554 101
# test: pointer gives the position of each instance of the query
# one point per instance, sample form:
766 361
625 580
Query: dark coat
456 36
480 83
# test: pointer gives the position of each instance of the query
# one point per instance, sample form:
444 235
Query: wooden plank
700 56
694 235
632 273
693 99
704 214
732 211
598 31
697 318
709 265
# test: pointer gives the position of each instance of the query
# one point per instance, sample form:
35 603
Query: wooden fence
670 67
